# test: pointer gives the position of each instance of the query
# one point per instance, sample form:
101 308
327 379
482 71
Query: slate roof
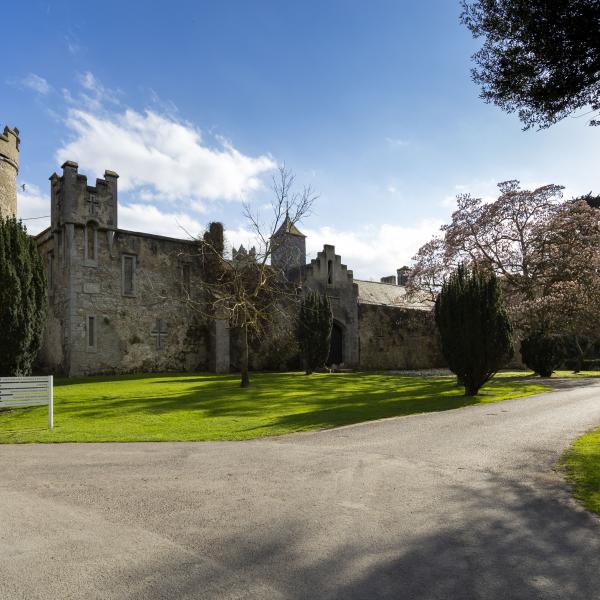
387 294
288 227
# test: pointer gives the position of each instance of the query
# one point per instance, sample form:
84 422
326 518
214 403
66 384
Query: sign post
17 392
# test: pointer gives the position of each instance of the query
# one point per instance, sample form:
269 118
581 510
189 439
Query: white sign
16 392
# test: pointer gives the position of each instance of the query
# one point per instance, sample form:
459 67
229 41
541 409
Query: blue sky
194 103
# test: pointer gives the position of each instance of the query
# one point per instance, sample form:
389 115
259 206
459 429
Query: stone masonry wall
327 275
152 329
397 338
9 168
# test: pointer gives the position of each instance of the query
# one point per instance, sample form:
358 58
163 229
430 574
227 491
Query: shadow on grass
307 401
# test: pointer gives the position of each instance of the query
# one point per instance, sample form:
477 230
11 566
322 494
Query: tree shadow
499 539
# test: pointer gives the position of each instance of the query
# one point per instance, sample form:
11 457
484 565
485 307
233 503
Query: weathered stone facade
119 299
9 168
327 275
123 301
392 337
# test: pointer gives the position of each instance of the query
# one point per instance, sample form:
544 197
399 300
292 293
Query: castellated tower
9 168
289 249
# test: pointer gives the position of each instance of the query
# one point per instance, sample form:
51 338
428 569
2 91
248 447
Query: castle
115 296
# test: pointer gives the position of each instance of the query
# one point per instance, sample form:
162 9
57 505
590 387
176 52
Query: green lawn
214 407
582 466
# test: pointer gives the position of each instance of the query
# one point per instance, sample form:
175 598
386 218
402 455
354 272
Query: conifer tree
314 330
23 299
475 331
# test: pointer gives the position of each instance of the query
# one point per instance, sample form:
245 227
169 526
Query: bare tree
245 290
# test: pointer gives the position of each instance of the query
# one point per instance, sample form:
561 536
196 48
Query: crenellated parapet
328 270
73 201
327 275
9 169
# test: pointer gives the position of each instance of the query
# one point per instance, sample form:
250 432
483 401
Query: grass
214 407
582 466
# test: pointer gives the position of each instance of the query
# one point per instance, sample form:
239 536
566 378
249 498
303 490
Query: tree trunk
245 378
580 355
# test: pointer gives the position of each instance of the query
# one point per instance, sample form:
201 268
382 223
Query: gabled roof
386 294
288 227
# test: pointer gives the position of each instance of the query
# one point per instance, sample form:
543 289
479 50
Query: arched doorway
336 348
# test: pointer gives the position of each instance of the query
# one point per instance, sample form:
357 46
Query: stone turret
74 201
9 169
289 248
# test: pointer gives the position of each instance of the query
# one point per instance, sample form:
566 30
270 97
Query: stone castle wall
327 275
398 338
9 169
151 329
125 302
119 301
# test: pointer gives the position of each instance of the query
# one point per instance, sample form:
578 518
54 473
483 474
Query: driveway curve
452 505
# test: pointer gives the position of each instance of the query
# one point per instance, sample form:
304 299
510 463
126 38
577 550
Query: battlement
9 146
74 201
9 169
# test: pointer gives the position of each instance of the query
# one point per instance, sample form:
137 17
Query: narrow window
91 332
186 278
159 333
90 241
128 275
330 272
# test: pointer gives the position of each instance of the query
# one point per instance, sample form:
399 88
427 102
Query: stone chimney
390 279
403 275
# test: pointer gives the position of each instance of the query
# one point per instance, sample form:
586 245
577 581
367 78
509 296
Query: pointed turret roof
288 227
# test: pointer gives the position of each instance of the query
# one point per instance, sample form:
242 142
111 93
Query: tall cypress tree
474 327
314 330
23 299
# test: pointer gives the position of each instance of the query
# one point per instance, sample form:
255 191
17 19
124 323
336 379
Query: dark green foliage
23 299
475 331
593 201
542 353
314 331
540 59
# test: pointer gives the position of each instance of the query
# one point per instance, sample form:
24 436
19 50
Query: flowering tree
544 250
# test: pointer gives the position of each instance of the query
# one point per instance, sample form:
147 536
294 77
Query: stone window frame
330 269
90 261
93 347
93 204
125 256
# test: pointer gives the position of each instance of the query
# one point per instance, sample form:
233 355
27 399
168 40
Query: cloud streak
37 84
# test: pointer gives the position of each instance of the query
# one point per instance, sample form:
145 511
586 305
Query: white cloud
36 83
396 142
151 219
373 251
33 207
160 155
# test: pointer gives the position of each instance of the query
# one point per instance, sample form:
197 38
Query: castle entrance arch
336 348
